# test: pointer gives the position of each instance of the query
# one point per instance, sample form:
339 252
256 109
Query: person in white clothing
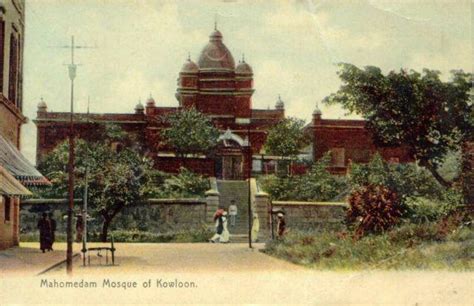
219 226
225 236
255 227
232 213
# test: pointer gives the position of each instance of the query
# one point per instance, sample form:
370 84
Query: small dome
215 55
243 67
139 109
280 104
189 67
150 101
42 105
317 111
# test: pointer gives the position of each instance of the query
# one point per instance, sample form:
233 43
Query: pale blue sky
292 46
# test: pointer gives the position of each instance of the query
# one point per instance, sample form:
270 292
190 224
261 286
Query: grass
409 246
200 235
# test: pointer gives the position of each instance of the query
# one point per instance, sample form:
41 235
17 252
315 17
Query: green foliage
410 246
189 132
199 235
373 209
117 178
428 116
450 169
185 184
421 196
407 180
286 138
316 185
422 209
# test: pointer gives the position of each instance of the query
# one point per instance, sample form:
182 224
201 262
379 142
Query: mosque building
222 90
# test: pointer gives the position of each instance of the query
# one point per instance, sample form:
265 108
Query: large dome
215 55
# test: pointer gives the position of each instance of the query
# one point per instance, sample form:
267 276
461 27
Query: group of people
47 229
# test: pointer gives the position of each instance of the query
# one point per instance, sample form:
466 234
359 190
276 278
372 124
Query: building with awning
16 174
10 186
18 166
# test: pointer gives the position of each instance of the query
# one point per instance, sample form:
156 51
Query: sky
293 47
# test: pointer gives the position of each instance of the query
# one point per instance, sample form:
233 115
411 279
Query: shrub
185 184
316 185
423 209
373 209
407 180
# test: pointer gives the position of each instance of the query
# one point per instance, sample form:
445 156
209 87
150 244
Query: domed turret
150 102
317 111
189 66
215 55
139 109
280 104
42 107
243 68
317 114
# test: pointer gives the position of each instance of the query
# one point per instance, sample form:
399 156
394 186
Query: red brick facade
11 118
223 91
349 141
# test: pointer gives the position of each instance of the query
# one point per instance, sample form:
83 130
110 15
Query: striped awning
18 166
11 186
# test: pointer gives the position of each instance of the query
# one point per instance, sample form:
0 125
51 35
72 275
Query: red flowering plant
373 209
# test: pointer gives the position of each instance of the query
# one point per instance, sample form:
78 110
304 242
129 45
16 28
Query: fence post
212 203
262 208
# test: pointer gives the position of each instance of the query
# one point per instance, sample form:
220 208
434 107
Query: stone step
239 238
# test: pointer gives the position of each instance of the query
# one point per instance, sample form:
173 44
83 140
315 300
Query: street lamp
72 68
72 75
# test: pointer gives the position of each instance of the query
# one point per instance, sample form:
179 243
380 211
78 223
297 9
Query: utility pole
249 176
72 67
86 187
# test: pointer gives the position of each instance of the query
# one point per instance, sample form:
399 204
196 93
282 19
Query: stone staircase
237 191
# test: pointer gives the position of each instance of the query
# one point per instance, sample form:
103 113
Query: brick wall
9 229
310 215
157 216
349 141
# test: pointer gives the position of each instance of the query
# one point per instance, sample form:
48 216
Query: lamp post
72 75
72 67
249 174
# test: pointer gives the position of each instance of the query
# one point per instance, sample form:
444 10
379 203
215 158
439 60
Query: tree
419 111
117 178
189 132
286 138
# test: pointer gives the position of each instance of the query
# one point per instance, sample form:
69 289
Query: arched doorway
229 158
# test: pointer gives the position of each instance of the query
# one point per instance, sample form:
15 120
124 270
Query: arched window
13 77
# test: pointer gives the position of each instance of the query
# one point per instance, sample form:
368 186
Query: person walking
219 226
79 227
52 223
44 228
255 227
232 213
281 225
225 236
